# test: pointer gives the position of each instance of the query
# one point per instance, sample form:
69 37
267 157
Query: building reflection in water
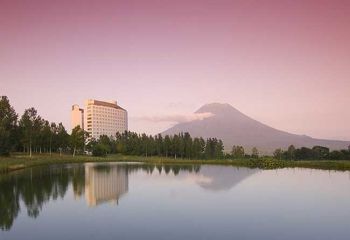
32 188
105 183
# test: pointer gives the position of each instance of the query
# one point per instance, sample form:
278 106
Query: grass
20 161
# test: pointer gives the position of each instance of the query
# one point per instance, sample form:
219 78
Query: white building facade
104 118
77 117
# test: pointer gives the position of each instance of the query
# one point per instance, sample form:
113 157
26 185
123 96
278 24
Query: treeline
180 145
32 133
292 153
238 152
315 153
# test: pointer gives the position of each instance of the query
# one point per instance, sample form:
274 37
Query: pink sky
284 63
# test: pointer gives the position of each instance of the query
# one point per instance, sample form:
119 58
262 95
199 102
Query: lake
138 201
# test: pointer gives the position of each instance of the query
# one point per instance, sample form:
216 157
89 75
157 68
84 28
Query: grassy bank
19 161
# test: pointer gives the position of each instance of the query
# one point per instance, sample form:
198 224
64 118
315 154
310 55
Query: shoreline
20 161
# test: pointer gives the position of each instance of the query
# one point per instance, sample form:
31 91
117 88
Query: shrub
100 150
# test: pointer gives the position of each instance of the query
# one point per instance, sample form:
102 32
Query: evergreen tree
62 138
167 145
237 152
8 121
30 125
278 153
291 152
219 149
255 152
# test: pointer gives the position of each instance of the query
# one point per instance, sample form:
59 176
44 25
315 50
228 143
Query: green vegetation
8 120
77 139
42 142
315 153
180 145
100 150
20 161
33 134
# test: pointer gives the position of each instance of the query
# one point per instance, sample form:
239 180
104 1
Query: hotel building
102 118
77 117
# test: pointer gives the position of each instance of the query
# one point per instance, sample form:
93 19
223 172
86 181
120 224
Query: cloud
177 118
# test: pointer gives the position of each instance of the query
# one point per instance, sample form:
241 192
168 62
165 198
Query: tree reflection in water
36 186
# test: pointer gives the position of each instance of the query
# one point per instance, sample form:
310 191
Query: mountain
236 128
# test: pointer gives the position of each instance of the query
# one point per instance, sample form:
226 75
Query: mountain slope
235 128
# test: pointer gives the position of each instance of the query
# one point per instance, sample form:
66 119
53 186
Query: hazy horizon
283 63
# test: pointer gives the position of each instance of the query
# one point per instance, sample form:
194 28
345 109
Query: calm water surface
134 201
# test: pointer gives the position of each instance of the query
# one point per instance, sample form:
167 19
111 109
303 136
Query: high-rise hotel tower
77 116
101 118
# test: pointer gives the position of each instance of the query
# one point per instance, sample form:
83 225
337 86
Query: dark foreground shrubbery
315 153
100 150
266 163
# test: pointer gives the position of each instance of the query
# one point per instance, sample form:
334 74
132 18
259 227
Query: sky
284 63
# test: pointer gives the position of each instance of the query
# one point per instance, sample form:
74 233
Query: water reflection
190 201
33 188
105 183
99 183
221 178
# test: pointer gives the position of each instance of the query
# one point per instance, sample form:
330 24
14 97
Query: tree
320 152
175 146
8 121
209 149
30 126
255 152
53 136
62 138
213 149
106 142
336 155
187 145
119 142
198 147
159 144
167 145
145 144
77 139
278 153
291 152
237 152
100 150
304 153
219 149
45 133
